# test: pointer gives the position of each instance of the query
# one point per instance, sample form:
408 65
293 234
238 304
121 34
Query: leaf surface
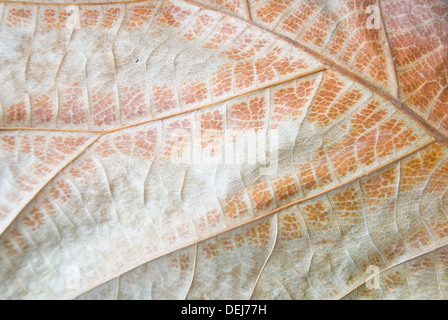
97 201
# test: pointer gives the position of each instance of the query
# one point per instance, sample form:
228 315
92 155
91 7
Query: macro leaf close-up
223 149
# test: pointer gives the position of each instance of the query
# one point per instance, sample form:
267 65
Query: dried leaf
121 124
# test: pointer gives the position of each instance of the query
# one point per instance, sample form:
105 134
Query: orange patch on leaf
394 279
8 143
19 239
18 18
393 135
222 80
298 17
145 143
347 203
17 112
173 15
110 17
177 138
285 187
193 92
9 248
248 114
328 107
381 186
317 214
416 171
438 184
290 227
139 15
105 149
198 27
315 173
259 234
232 5
73 106
50 19
210 250
261 194
244 47
35 219
66 145
244 75
212 126
90 17
134 103
290 102
104 107
317 33
61 190
42 109
211 220
236 207
84 169
272 10
164 99
221 35
441 230
182 262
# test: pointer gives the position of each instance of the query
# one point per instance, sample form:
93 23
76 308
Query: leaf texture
356 127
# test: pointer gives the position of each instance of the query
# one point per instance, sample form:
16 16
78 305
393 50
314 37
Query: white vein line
267 259
308 237
389 49
396 203
421 198
335 217
114 209
309 280
442 197
117 290
407 281
86 210
365 220
27 62
193 272
434 257
333 275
